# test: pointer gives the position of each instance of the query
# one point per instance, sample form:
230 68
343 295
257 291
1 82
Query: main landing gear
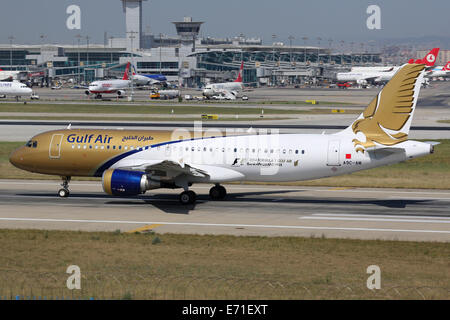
218 192
188 197
64 191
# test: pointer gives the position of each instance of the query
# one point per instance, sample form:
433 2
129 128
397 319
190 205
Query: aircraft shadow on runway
169 203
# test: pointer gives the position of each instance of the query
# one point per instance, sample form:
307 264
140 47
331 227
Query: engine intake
118 182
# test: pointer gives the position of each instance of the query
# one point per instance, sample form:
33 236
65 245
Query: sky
27 20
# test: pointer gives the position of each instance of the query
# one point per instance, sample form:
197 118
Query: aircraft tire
188 197
63 193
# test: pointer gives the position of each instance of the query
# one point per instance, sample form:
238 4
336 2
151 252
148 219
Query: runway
416 215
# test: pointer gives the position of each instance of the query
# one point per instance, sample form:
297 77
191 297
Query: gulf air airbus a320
132 162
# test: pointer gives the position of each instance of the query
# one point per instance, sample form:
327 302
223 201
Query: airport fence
19 285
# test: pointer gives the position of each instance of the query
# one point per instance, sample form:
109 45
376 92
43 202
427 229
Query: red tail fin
446 67
239 77
429 59
127 70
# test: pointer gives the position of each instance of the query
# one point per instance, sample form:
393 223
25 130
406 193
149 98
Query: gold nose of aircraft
17 158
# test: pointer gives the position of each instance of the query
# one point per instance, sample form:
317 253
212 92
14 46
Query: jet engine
87 92
361 82
124 183
120 92
117 182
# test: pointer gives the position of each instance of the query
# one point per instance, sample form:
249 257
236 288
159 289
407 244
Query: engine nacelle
87 92
361 81
124 183
120 92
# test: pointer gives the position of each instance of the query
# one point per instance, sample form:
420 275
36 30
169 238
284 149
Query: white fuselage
109 86
222 88
437 72
368 76
14 88
278 157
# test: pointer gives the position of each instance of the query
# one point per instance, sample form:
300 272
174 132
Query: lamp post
160 54
78 36
11 38
362 50
318 49
351 52
304 56
274 36
131 37
342 53
330 41
290 48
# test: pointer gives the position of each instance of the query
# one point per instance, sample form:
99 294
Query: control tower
188 30
133 20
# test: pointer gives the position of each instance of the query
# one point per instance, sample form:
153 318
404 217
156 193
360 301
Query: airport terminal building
185 59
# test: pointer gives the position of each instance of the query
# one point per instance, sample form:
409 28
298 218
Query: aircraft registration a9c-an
131 162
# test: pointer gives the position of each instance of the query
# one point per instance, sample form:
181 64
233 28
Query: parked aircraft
364 76
117 86
229 90
14 88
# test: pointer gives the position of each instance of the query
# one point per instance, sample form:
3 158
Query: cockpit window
31 144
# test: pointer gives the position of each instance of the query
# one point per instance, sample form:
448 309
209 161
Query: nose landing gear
64 191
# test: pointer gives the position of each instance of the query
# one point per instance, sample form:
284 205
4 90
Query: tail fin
446 67
387 119
429 59
126 73
239 77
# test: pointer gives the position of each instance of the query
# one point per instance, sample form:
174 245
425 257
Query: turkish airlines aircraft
132 162
227 89
439 71
14 88
364 76
117 86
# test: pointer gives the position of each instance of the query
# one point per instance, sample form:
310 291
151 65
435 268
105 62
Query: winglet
127 70
239 77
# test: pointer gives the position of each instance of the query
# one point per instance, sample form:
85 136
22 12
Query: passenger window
296 151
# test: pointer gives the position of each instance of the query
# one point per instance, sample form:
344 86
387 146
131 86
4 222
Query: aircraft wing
170 168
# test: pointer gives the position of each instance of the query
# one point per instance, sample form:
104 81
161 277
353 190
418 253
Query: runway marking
378 216
224 225
373 219
340 188
144 228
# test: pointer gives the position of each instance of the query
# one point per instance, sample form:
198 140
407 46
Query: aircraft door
54 151
333 158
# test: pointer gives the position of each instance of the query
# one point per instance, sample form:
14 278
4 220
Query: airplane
8 75
229 90
147 79
130 162
439 71
117 86
14 88
364 76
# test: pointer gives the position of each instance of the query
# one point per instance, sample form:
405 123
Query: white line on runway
222 225
373 219
257 187
378 216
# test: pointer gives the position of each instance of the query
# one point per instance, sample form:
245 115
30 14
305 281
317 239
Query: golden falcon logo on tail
389 111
